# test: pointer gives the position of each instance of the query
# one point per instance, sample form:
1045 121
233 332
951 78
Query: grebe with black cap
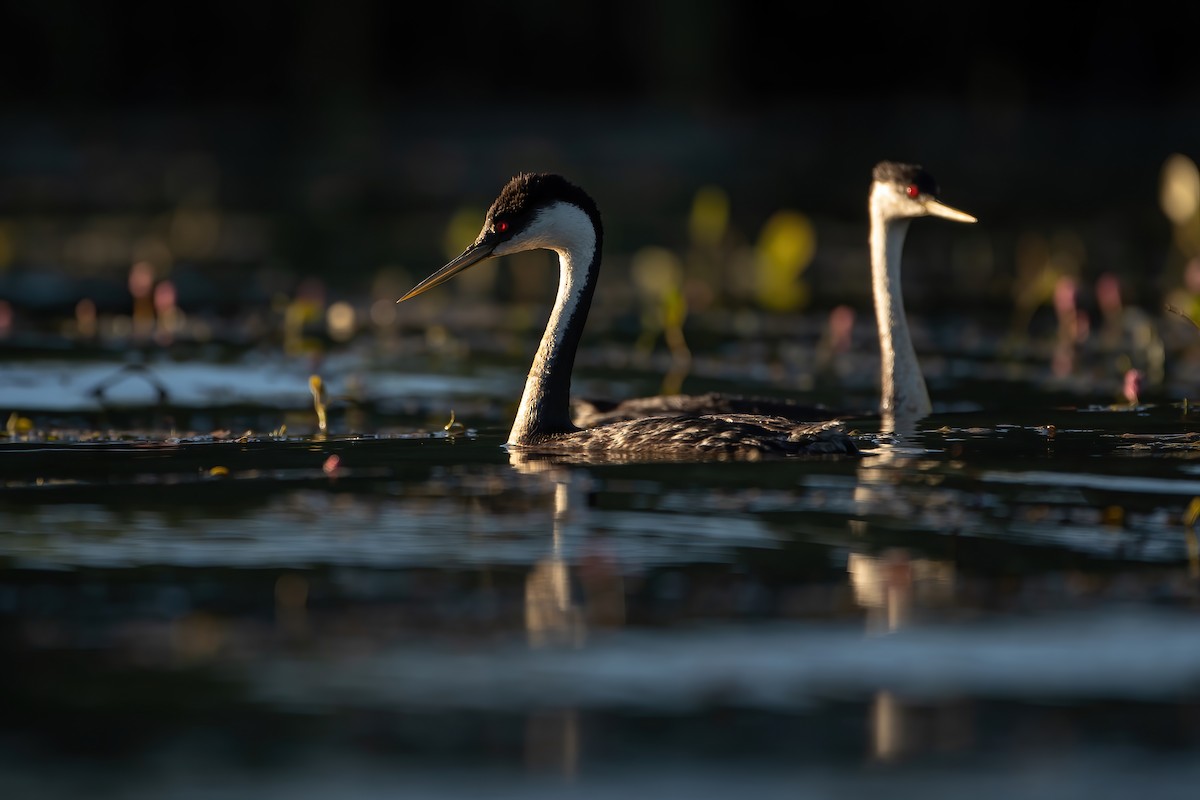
546 211
900 192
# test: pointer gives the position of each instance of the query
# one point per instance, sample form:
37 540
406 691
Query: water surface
205 596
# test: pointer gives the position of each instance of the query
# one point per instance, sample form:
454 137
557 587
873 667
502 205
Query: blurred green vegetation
285 178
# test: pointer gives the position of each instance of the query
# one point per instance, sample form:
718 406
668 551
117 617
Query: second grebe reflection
893 587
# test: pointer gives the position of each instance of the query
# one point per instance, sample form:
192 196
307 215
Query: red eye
501 226
912 191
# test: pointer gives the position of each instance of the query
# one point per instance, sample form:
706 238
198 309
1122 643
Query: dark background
336 139
307 56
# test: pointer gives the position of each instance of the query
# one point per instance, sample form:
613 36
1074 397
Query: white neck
904 398
545 403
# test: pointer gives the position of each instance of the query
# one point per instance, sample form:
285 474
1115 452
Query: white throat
568 231
904 398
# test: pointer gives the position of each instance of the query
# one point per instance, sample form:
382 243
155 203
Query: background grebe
899 193
546 211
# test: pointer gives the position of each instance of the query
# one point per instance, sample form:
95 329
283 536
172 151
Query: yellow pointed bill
940 209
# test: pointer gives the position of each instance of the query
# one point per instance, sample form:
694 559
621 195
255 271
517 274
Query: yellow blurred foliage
709 218
655 271
785 248
6 246
18 425
461 230
658 276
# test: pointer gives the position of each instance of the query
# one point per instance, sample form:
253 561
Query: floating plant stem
317 387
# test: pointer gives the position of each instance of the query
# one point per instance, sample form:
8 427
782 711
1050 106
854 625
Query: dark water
200 600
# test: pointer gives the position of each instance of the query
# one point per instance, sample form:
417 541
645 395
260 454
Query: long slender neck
545 407
904 397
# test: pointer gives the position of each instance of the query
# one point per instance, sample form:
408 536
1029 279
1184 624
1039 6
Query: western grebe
899 193
546 211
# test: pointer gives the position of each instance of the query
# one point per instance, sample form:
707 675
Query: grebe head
532 211
905 191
